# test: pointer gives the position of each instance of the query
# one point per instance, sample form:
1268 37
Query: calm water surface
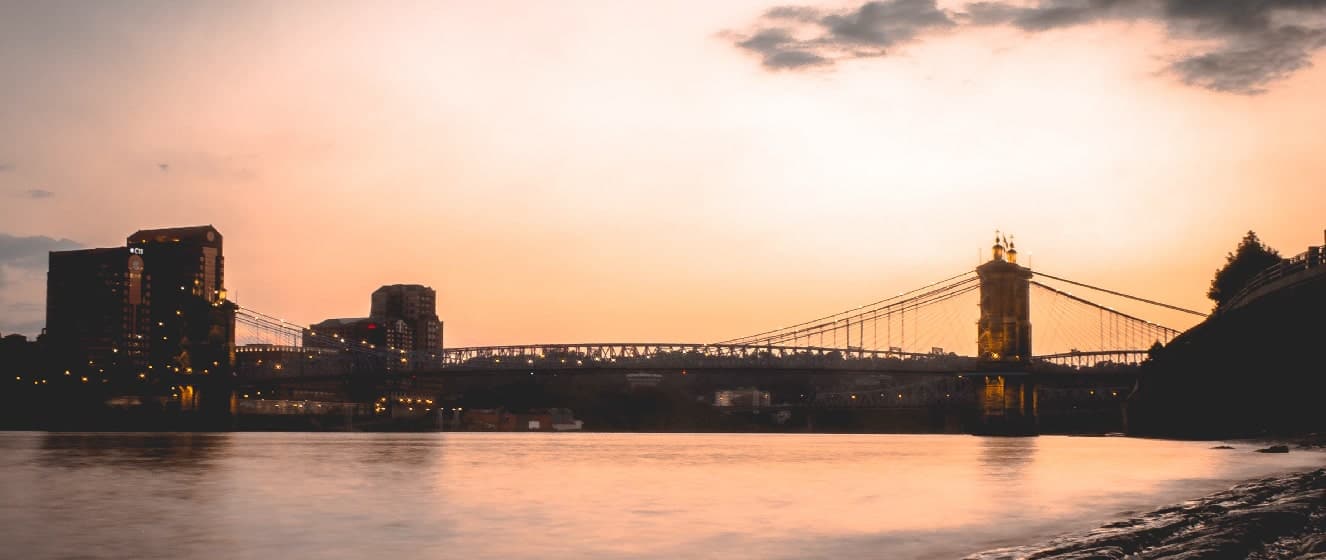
513 496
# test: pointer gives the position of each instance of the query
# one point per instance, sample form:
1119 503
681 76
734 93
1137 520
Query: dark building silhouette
417 306
192 325
152 311
402 322
374 334
98 313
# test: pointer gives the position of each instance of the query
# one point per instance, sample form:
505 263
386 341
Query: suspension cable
1121 294
1163 328
841 313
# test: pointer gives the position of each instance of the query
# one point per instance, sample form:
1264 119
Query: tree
1251 257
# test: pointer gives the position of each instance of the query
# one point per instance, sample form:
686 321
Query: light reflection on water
510 496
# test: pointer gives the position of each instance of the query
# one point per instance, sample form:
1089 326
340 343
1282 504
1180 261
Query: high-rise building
417 306
97 313
192 325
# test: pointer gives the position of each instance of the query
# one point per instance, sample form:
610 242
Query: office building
98 313
417 306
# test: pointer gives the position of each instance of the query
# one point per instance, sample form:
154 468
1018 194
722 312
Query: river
548 496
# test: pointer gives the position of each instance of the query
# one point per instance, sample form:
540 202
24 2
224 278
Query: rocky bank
1270 518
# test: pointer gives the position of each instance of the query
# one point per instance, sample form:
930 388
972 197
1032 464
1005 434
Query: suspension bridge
925 330
921 341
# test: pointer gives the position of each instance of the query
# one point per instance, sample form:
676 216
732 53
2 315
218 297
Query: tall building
417 306
192 325
98 312
151 311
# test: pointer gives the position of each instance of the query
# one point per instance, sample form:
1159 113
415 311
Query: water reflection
1007 459
513 496
167 451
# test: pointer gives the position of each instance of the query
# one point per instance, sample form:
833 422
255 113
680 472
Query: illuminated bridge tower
1008 395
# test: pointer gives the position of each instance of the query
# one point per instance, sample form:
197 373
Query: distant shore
1271 518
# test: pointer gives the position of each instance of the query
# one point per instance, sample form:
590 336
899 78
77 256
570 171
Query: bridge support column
1007 406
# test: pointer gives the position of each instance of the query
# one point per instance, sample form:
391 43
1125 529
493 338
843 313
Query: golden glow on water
515 496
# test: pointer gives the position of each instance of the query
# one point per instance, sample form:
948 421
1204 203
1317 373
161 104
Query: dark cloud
163 166
794 37
6 167
778 49
1249 67
30 252
1249 44
885 24
38 193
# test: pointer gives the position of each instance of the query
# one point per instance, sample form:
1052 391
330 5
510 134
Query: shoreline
1270 518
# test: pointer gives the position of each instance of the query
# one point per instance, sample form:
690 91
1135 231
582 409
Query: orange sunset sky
607 170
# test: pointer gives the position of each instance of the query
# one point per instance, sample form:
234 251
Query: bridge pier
1007 405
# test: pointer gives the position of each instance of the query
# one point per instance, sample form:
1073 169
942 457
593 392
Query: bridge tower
1008 404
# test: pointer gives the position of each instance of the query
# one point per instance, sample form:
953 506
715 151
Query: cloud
6 167
22 280
30 252
163 167
38 193
1248 44
798 37
779 50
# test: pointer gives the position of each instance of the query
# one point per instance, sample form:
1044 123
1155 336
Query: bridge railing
1311 258
1095 359
682 355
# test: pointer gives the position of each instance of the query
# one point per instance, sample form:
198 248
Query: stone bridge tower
1004 329
1008 403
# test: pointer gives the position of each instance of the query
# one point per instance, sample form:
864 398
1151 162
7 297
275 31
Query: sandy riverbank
1264 519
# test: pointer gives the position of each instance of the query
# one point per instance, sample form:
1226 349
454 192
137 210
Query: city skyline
671 187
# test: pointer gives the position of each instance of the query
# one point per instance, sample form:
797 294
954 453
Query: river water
550 496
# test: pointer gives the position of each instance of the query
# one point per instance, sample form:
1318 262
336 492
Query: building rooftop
94 251
345 321
165 234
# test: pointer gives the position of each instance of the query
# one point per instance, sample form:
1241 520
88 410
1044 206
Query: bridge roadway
608 358
673 356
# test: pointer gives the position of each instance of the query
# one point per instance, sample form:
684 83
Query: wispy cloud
6 167
38 193
1248 44
30 252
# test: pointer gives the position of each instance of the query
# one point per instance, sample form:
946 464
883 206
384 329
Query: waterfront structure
537 420
269 361
746 397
